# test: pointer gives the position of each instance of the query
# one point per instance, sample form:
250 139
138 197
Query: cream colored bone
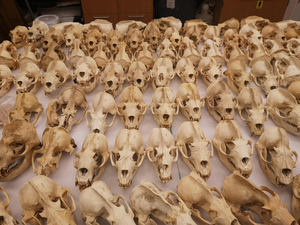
102 55
296 198
294 89
92 39
250 31
72 32
5 212
125 25
209 70
273 46
123 55
134 38
287 24
293 45
273 32
103 26
146 55
166 22
232 23
213 33
53 35
113 39
8 55
76 52
138 76
233 51
186 71
6 79
211 50
195 33
18 36
256 51
173 35
54 52
36 33
162 73
168 51
259 22
233 35
152 35
31 54
187 49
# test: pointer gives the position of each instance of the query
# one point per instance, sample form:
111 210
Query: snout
285 177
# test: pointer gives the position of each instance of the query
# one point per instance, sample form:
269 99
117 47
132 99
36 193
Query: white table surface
65 174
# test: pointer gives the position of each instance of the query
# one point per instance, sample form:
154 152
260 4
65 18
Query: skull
195 33
296 198
103 26
41 198
134 38
163 107
102 55
192 144
220 102
209 70
186 71
86 75
113 79
211 50
288 24
91 160
28 79
36 33
213 33
250 100
92 39
54 52
189 101
167 51
259 22
232 24
232 51
138 76
237 75
31 54
273 46
234 152
256 51
53 35
71 33
5 212
232 35
166 22
293 47
187 49
162 73
273 32
18 36
284 110
6 79
113 40
146 55
106 205
55 141
294 89
250 31
127 155
19 140
152 35
131 107
76 52
8 55
122 56
276 157
162 153
71 98
173 35
103 104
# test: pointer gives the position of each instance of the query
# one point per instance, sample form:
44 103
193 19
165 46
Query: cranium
134 38
104 26
242 196
209 70
19 140
113 78
28 79
41 198
8 55
237 75
187 49
294 89
6 79
256 51
284 110
250 100
263 76
273 46
189 23
123 56
76 52
186 71
296 198
5 212
53 35
233 51
162 153
192 144
127 155
36 33
189 101
166 22
57 74
173 35
250 31
26 104
92 39
113 40
276 157
232 23
138 76
293 47
167 51
54 52
147 199
152 35
18 36
234 151
259 22
233 35
72 32
131 107
163 107
103 104
71 98
273 32
195 33
55 141
287 24
220 102
31 54
102 55
91 160
146 55
292 33
213 33
125 25
162 73
211 50
193 190
86 75
105 204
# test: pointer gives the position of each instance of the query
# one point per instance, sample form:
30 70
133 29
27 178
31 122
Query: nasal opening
286 172
131 118
246 83
83 171
109 83
204 163
259 126
229 110
245 160
166 116
48 84
91 43
196 109
124 173
139 81
273 87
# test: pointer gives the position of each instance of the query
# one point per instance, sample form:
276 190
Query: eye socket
237 75
138 107
55 154
157 106
124 107
135 157
155 152
117 156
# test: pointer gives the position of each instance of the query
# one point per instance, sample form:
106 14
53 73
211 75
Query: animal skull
102 55
127 155
166 22
233 51
146 55
152 35
5 212
195 33
232 24
296 198
6 79
173 35
213 33
162 73
250 31
71 33
92 39
233 35
259 22
294 89
31 54
187 49
209 70
8 55
122 56
36 33
113 40
293 47
256 51
273 32
54 52
167 51
53 35
234 151
186 71
134 38
211 50
76 52
18 36
192 145
138 76
273 46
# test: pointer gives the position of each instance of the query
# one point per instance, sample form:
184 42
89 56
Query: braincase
95 142
163 95
189 131
131 138
228 131
73 93
159 137
275 136
217 88
103 100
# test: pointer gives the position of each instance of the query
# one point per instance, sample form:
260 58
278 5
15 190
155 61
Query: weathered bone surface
186 71
273 32
19 140
103 105
113 39
53 35
41 198
189 23
167 51
220 102
123 55
92 39
234 151
273 46
6 79
71 98
213 33
166 22
287 24
76 52
5 212
233 51
72 32
113 78
134 38
209 70
54 52
103 26
26 104
162 73
293 45
125 25
250 31
147 199
91 160
294 89
28 79
292 33
195 33
261 200
102 55
9 55
57 74
233 35
138 76
250 100
18 36
36 33
31 54
173 35
163 107
193 190
256 51
127 155
232 23
105 204
276 157
131 107
146 55
187 49
193 146
284 110
189 101
152 35
210 49
259 22
296 198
